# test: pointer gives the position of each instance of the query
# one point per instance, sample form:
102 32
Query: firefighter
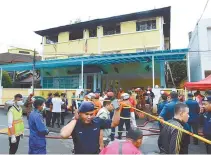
125 115
97 103
15 124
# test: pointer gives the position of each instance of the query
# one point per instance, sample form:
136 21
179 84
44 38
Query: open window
24 52
76 34
93 32
52 39
111 29
145 25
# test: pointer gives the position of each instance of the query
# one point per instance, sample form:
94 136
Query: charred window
93 32
52 39
111 29
76 34
145 25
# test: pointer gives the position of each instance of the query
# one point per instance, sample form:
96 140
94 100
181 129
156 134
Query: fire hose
174 126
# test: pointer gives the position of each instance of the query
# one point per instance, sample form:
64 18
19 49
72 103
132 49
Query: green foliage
179 71
6 80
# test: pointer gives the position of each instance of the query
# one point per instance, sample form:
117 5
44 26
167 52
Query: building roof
164 12
8 58
161 55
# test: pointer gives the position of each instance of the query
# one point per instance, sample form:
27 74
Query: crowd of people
96 116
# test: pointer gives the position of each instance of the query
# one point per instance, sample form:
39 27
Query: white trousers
133 119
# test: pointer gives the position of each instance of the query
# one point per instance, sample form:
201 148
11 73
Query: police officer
193 120
85 128
207 121
125 115
167 112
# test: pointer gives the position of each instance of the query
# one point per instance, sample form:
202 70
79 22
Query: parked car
9 103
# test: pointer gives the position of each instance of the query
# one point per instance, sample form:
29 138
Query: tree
179 72
78 20
6 80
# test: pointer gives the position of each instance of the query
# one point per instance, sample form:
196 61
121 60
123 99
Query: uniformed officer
194 110
207 121
125 115
15 124
167 112
85 128
38 130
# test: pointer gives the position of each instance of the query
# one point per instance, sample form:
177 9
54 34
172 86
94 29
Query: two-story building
131 33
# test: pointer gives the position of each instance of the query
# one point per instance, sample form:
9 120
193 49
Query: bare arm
68 129
116 118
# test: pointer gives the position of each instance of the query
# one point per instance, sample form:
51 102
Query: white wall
194 57
199 44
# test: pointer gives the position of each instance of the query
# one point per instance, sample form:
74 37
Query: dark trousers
121 124
73 106
56 117
194 126
14 146
208 146
48 117
62 118
112 129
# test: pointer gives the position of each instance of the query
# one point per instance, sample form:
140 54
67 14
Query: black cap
134 134
190 95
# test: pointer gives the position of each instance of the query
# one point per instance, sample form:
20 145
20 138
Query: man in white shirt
57 103
104 113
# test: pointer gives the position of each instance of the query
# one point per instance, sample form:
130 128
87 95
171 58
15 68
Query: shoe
119 137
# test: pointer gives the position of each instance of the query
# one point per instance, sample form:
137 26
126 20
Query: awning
204 84
104 59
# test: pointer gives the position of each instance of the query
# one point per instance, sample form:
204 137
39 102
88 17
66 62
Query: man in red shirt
130 146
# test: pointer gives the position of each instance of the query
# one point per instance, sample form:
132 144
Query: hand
76 116
13 139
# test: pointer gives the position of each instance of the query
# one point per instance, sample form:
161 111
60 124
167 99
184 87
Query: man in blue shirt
85 128
193 120
207 121
38 130
167 112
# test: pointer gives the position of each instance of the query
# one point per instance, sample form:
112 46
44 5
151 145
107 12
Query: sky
20 18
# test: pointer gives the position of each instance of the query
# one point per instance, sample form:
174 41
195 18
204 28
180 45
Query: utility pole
33 71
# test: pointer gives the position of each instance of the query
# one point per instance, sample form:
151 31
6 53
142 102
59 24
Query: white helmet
125 96
91 95
161 92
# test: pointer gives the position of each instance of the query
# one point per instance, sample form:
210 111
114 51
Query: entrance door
90 82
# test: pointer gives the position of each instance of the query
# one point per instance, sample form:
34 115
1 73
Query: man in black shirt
171 140
85 128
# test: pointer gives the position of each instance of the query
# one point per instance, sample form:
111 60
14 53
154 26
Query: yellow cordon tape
176 127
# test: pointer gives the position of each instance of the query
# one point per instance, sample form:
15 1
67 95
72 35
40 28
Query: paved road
59 146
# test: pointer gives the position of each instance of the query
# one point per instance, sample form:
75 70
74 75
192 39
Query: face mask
19 103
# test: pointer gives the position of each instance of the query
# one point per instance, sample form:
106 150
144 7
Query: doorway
90 82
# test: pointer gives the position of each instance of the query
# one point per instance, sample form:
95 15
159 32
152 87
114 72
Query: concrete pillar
99 35
95 82
41 77
99 81
162 74
85 81
1 95
86 34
